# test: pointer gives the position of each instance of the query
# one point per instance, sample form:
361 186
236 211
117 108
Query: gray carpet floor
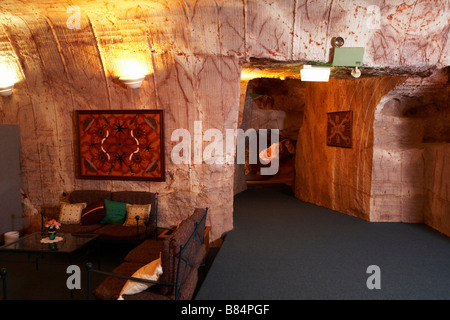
284 249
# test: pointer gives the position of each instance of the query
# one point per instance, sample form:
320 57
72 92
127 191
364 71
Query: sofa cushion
93 213
115 212
150 271
133 210
111 287
148 250
71 212
89 196
119 232
138 197
186 291
78 228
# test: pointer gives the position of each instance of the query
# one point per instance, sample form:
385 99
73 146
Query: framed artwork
121 144
339 129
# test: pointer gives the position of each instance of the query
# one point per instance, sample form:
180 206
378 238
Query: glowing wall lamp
315 73
132 82
132 73
6 90
7 80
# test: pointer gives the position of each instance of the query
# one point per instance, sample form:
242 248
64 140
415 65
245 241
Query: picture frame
121 144
339 129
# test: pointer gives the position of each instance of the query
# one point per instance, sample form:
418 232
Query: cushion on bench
79 228
153 293
111 287
189 235
193 255
119 232
139 197
148 250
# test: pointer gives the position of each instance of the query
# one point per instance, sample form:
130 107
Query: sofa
174 260
102 212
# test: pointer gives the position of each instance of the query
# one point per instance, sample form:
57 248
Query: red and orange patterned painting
121 144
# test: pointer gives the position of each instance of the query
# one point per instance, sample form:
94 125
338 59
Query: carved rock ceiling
403 35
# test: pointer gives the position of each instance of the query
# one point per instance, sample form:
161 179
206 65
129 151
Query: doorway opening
272 104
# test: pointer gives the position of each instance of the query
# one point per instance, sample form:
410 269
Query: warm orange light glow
252 73
7 76
131 68
249 73
131 72
7 79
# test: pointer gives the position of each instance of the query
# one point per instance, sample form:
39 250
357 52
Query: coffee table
31 244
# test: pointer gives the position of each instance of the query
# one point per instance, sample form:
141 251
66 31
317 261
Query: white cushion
150 271
70 213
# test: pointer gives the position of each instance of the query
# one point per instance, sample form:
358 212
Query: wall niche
271 103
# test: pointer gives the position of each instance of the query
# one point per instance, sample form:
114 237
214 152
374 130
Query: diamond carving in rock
339 129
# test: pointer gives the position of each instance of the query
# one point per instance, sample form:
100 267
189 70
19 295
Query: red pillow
93 213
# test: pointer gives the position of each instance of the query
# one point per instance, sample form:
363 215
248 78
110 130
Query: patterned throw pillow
70 213
133 210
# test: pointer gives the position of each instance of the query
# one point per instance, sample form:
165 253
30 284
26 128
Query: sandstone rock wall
437 187
334 177
70 60
61 70
411 137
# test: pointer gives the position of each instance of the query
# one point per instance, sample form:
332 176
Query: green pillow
115 212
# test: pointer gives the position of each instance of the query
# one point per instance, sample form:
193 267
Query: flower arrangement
52 225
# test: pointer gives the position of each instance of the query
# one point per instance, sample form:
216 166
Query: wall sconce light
7 79
6 89
315 73
132 82
131 72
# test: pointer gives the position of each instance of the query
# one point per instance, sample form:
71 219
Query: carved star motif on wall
339 129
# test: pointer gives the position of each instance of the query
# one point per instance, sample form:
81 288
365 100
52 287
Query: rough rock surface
410 181
70 60
334 177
